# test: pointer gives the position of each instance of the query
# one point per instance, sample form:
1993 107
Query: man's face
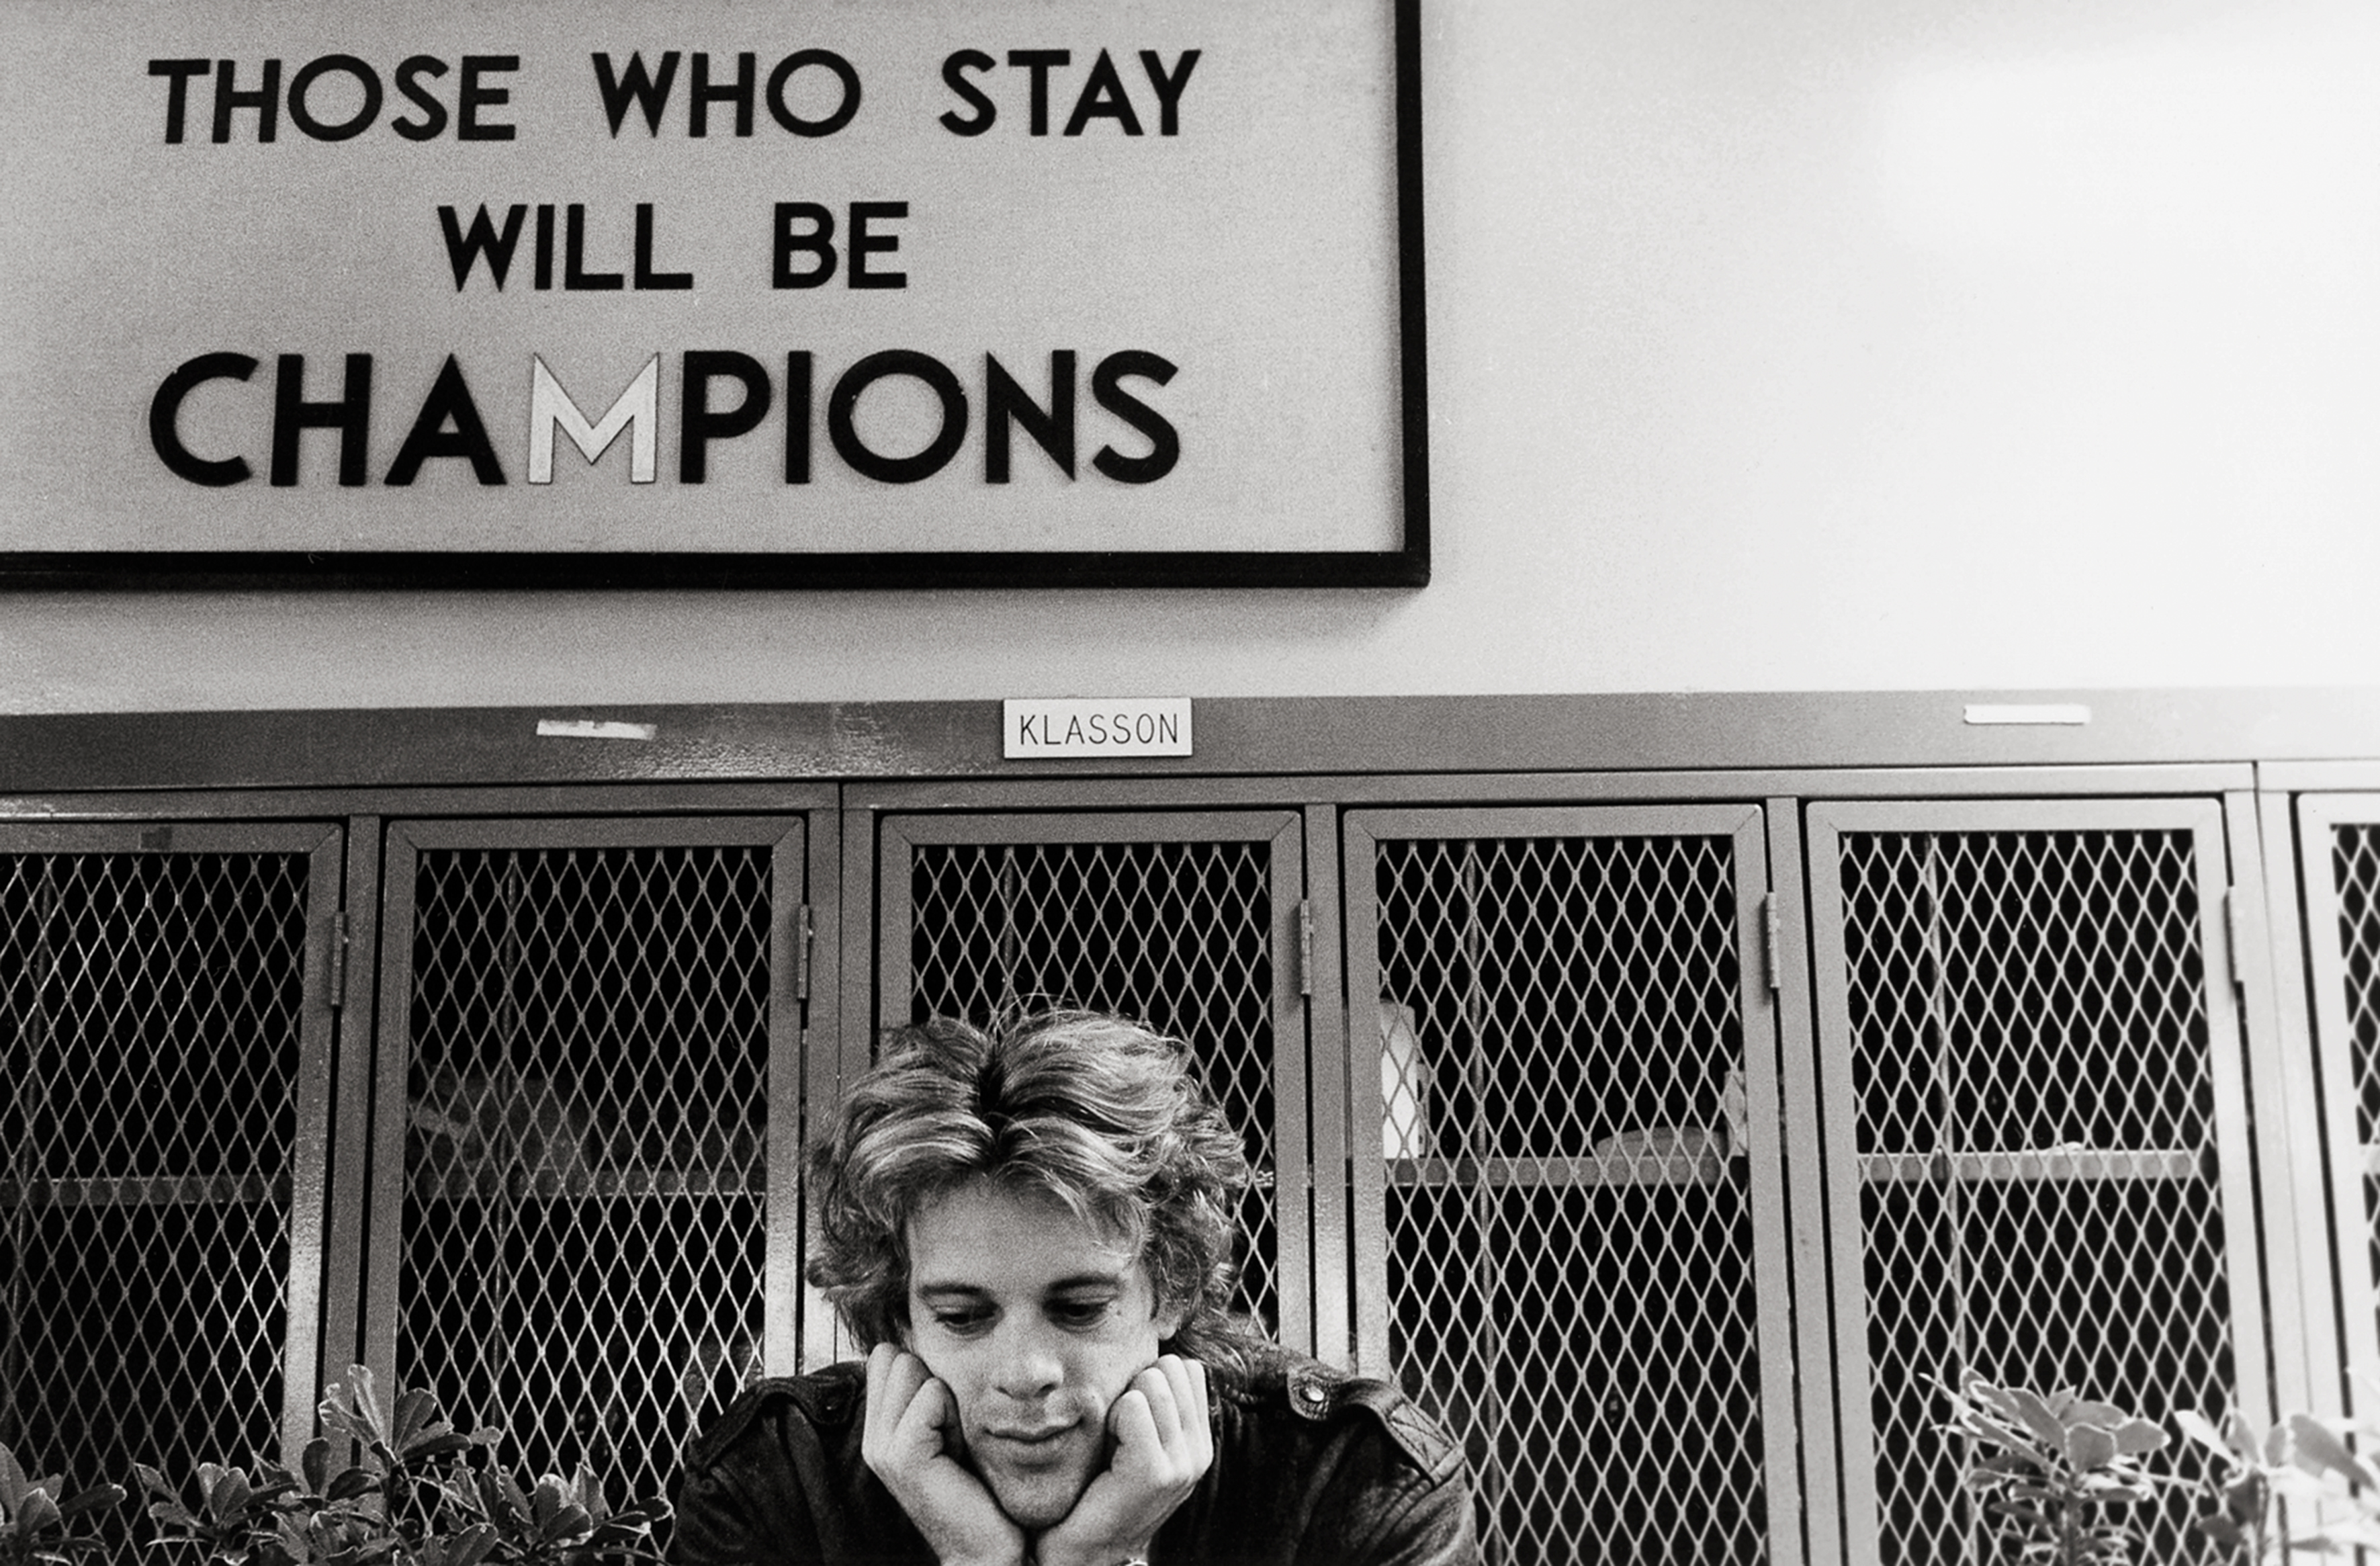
1036 1325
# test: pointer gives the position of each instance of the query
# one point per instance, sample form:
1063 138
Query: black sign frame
1407 565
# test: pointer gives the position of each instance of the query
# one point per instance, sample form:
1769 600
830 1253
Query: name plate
1113 726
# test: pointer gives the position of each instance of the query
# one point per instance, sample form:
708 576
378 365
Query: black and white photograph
1189 782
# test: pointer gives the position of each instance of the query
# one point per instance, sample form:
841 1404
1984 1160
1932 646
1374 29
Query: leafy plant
2302 1464
2050 1469
413 1495
36 1525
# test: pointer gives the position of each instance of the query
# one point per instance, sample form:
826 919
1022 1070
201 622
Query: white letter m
549 405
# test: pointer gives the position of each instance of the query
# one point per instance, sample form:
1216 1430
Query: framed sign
943 293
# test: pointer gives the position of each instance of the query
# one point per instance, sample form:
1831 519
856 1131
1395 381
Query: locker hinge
1770 939
1304 947
803 930
340 942
2232 929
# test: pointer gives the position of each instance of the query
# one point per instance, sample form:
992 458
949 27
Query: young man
1031 1229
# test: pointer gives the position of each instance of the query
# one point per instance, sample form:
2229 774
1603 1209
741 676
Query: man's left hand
1163 1445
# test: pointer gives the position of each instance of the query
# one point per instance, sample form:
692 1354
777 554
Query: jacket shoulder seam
1318 1392
821 1402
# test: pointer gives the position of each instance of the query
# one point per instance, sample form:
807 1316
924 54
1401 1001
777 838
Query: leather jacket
1312 1468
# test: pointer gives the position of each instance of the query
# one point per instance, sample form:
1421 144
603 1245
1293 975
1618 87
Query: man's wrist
1133 1555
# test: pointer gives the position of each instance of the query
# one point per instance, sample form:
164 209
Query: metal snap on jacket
1310 1394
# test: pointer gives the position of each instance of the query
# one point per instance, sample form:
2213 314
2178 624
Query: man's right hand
912 1432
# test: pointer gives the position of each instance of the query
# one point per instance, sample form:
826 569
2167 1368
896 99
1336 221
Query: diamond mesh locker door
2045 1135
2339 843
1175 919
164 1089
1566 1180
585 1226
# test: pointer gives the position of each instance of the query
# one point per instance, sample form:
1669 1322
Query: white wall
1828 344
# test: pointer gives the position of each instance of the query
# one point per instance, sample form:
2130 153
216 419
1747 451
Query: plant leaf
227 1494
1984 1427
589 1491
547 1499
416 1411
363 1391
172 1513
98 1497
2089 1445
2223 1530
2200 1429
2047 1427
2316 1441
38 1511
351 1483
13 1488
473 1545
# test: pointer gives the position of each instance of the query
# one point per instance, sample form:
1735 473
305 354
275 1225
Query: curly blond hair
1099 1112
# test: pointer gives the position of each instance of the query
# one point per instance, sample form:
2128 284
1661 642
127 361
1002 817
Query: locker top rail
1237 736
